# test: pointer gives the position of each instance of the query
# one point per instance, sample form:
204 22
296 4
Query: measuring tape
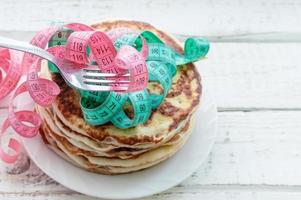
194 49
143 55
161 64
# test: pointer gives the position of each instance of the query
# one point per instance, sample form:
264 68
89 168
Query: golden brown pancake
110 150
78 147
181 101
116 166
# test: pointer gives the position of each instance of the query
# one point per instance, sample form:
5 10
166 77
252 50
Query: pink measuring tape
14 64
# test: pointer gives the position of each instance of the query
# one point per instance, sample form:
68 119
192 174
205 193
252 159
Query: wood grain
175 194
252 76
206 17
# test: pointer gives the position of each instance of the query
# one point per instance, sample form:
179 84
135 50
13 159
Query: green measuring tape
102 107
140 102
101 111
194 49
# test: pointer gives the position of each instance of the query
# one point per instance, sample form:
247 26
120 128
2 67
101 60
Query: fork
87 78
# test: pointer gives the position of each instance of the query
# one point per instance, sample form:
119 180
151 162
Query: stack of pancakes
108 150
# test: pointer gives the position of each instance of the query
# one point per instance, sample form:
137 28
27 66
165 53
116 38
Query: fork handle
27 48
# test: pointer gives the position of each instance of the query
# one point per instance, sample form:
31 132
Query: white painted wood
196 17
175 194
254 75
254 148
256 153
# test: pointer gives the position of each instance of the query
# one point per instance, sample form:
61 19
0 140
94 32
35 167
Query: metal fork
87 78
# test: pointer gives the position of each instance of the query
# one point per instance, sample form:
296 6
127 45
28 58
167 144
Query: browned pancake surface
181 101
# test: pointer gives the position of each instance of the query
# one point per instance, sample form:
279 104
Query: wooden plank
253 150
274 37
178 194
252 76
207 17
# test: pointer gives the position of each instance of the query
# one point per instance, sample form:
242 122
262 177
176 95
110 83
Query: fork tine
99 74
96 72
104 88
103 81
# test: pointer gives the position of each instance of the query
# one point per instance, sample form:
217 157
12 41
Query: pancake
82 148
87 146
118 166
110 150
181 102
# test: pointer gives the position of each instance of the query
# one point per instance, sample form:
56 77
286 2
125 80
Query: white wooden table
253 70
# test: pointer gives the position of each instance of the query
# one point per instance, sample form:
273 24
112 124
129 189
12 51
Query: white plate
138 184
